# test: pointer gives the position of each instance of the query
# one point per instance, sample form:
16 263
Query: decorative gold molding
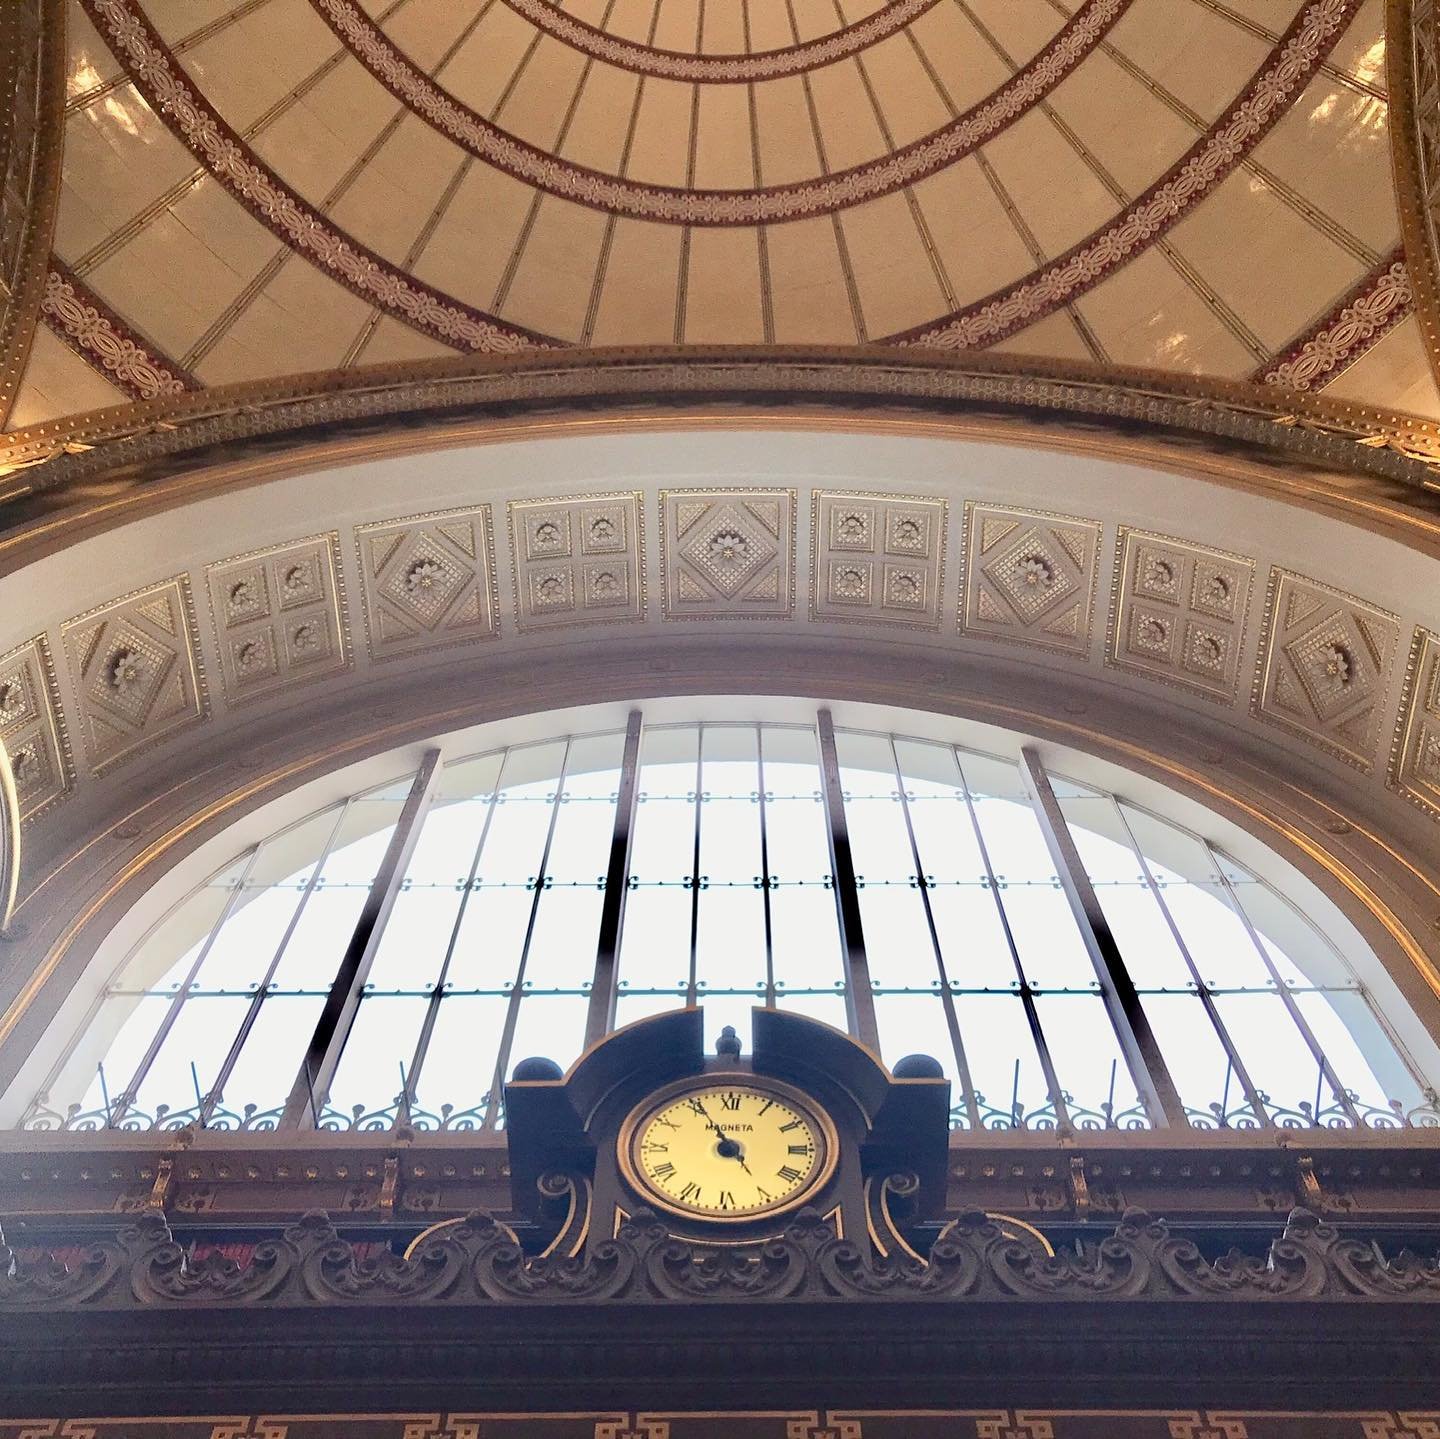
141 442
32 118
1412 64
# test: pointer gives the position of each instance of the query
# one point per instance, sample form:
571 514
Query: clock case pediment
892 1134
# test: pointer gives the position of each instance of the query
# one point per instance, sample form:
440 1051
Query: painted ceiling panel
258 188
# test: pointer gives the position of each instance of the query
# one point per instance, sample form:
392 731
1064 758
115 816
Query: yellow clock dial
728 1151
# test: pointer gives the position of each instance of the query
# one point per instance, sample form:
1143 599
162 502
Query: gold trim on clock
640 1120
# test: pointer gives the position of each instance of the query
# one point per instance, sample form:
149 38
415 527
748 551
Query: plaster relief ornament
1154 632
1339 665
1034 572
12 698
907 533
250 656
422 576
1160 572
306 636
1207 650
244 597
1215 589
851 527
903 589
602 528
551 589
606 582
547 532
851 583
296 580
127 672
24 765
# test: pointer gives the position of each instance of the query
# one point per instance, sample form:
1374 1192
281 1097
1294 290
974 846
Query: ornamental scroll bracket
477 1262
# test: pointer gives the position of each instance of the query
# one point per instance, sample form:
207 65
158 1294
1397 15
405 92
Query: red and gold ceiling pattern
259 188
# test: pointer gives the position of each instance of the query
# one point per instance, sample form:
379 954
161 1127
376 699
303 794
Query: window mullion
947 1000
317 1069
859 995
765 869
432 1008
127 1096
512 1010
691 986
600 1017
1326 1069
1027 995
1222 1031
1127 1015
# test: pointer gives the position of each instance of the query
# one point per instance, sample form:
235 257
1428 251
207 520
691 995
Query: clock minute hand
733 1151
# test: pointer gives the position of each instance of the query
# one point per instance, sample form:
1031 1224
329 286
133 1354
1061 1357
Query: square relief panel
30 727
1178 612
728 554
577 561
1325 658
1415 759
877 557
135 667
1029 577
278 616
429 581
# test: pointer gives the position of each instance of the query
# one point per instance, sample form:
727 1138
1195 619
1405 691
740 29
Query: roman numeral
801 1149
663 1171
667 1124
695 1106
794 1124
767 1106
764 1194
730 1101
691 1191
787 1174
727 1200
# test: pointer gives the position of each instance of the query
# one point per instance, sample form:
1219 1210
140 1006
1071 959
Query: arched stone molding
32 98
1412 59
519 533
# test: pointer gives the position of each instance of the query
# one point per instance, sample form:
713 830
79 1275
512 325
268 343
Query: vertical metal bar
1027 995
157 1043
691 989
1222 1031
1288 999
765 869
432 1008
947 1000
332 1029
262 988
600 1017
1131 1024
859 994
512 1010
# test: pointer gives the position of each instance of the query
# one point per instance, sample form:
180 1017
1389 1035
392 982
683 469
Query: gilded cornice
1412 58
52 466
32 97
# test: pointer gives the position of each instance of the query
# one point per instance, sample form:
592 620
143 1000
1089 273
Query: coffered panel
728 554
877 557
1415 756
578 561
31 728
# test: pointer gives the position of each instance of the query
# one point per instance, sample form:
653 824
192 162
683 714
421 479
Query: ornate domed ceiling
261 188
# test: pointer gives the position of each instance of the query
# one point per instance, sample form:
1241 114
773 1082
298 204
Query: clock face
728 1150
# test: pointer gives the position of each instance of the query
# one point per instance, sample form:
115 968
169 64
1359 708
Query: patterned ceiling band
1287 70
720 69
89 327
1363 318
161 81
672 205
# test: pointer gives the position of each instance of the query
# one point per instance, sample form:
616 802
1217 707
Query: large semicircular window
1069 956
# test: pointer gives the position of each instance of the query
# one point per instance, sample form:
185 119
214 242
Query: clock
720 1147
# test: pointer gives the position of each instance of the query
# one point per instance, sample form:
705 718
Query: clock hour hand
727 1148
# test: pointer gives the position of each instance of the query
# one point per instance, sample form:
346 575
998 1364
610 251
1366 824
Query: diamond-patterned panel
279 616
728 554
1415 757
578 560
429 581
1178 612
877 557
1324 664
136 671
1029 577
30 727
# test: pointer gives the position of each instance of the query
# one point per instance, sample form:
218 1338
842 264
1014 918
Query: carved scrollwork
479 1261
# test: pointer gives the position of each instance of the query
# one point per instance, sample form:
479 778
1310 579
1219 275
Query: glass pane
1087 1059
117 1038
915 1024
459 1065
1005 1068
1209 1089
200 1037
806 937
1280 1063
1361 1053
552 1026
270 1060
827 1008
380 1049
731 950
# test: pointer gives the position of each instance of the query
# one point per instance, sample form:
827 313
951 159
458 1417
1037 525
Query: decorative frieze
1415 755
728 554
1177 612
31 728
578 560
877 557
135 667
428 581
279 616
1029 577
1324 663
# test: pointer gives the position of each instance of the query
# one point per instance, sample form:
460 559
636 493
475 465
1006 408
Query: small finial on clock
728 1045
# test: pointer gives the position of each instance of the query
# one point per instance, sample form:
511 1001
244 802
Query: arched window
1068 954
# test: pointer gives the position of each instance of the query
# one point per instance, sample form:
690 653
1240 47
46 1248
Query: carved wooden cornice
32 96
